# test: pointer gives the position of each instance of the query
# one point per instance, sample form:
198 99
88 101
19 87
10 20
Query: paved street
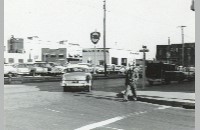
43 106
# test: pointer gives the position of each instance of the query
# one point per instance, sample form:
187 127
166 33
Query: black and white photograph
99 64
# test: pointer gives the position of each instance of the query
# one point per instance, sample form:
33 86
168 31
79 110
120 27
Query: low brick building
173 54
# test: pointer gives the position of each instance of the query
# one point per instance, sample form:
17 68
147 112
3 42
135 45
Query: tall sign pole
144 50
94 36
104 36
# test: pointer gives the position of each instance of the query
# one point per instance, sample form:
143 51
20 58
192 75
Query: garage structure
113 56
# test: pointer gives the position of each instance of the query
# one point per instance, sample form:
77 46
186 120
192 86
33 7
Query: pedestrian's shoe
134 99
124 100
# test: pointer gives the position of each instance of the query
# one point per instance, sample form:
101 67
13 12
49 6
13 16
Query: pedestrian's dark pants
133 86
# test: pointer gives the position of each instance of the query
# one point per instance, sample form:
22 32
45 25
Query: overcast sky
130 23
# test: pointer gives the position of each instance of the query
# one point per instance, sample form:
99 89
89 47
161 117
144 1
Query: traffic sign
95 37
144 50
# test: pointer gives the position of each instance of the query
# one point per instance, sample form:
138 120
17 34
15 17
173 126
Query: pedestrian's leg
133 89
126 93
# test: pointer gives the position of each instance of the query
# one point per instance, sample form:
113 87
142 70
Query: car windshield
75 69
30 65
42 65
22 66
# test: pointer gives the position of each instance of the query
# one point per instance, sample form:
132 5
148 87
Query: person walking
132 76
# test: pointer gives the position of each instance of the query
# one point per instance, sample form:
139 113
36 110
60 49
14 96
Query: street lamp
144 50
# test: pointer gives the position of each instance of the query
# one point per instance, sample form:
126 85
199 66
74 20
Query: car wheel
10 74
32 73
66 89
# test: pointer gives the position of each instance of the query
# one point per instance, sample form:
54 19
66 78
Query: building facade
53 55
15 45
113 56
14 52
173 54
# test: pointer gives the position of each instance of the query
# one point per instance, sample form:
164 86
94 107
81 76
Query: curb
167 102
186 105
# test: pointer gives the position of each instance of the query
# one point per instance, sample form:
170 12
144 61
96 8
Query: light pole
30 60
94 58
183 45
144 49
104 36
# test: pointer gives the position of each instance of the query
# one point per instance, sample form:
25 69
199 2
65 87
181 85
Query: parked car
40 68
22 69
57 70
77 77
109 68
9 70
189 73
120 68
90 66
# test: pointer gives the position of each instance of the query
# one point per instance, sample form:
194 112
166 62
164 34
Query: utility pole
183 45
144 49
168 51
104 36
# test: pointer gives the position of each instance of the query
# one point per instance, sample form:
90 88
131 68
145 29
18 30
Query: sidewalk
174 94
177 99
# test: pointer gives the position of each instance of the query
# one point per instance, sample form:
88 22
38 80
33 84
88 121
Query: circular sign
95 37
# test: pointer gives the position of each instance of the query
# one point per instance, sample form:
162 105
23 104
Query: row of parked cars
53 69
37 68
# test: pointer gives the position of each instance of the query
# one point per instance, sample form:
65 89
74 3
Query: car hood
75 76
23 69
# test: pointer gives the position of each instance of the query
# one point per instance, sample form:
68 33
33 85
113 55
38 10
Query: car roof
75 66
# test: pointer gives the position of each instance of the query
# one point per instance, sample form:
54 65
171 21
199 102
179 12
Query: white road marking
51 110
113 128
163 107
109 121
112 120
102 123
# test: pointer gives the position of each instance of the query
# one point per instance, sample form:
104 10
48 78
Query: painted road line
99 124
113 128
163 107
115 119
51 110
109 121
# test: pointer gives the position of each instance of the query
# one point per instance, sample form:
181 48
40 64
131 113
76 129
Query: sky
129 23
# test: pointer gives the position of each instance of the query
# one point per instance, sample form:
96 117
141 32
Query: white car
120 68
109 67
77 77
22 69
9 70
90 66
57 70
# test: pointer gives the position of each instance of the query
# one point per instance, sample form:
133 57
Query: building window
53 56
11 60
20 60
101 62
114 60
160 52
124 61
61 56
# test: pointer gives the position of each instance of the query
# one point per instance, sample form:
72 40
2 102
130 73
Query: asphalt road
43 106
